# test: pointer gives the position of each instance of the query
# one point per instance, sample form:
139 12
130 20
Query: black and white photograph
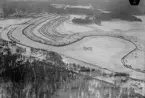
72 48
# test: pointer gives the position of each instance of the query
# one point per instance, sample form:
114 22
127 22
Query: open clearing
98 50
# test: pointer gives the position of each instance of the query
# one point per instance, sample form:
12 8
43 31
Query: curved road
16 35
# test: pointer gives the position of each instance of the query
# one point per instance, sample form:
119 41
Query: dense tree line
25 79
122 16
10 8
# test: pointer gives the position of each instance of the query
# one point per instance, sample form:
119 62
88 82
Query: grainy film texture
72 48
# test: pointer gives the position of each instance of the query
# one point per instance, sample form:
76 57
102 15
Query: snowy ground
136 60
97 50
4 23
105 52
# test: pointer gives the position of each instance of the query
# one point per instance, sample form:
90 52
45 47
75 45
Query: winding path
31 39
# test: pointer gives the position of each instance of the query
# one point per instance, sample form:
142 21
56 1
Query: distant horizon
120 6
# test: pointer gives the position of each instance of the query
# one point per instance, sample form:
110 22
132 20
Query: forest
28 77
21 77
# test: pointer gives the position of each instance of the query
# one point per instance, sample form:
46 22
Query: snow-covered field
4 23
97 50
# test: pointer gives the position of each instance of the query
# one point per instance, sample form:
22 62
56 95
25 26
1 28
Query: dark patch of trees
121 74
82 21
84 69
41 77
122 16
12 7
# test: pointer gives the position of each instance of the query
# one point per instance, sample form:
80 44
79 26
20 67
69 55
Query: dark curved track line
109 36
59 22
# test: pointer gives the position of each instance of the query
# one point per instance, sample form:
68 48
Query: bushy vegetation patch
82 21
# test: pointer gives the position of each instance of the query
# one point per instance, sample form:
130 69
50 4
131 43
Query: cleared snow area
96 50
100 27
